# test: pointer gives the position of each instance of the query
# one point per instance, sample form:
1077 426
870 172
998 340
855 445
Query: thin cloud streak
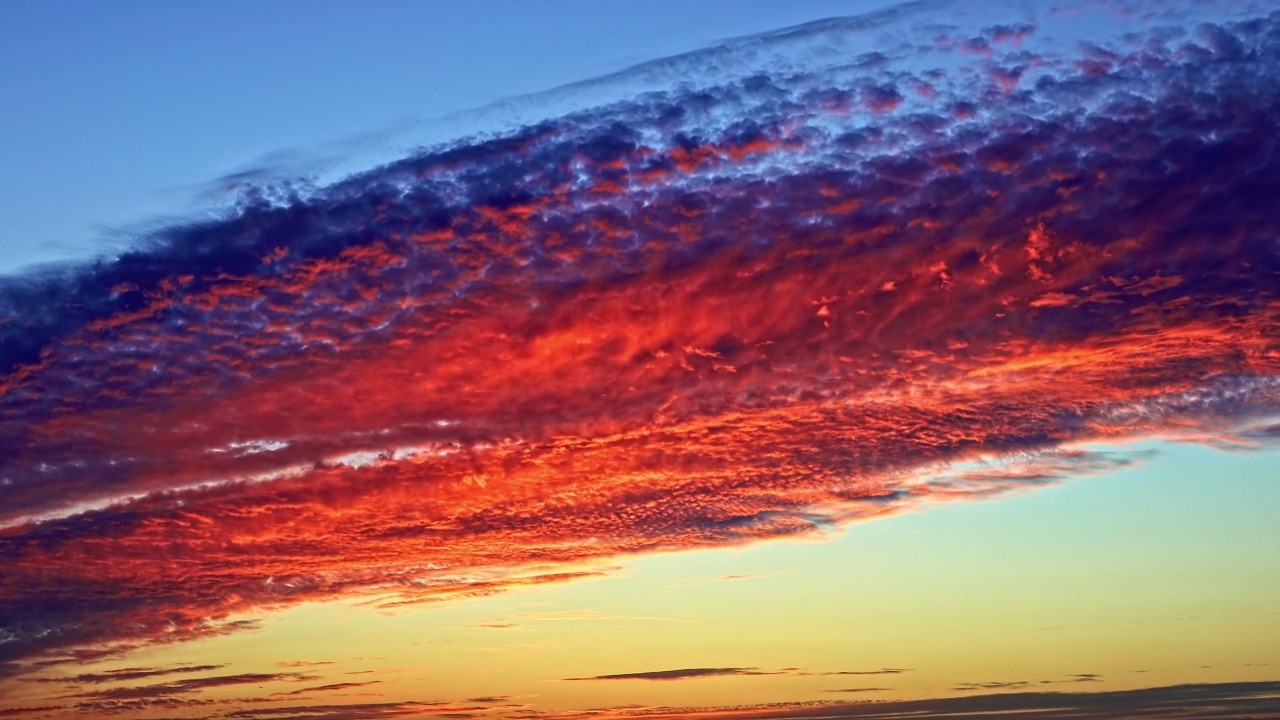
881 671
695 673
681 674
125 674
180 687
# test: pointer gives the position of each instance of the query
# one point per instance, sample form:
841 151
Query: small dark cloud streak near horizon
860 690
881 671
694 673
681 674
332 687
752 307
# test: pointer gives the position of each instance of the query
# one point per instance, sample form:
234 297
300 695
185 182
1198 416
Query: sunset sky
723 360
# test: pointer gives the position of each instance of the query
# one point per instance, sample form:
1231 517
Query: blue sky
125 113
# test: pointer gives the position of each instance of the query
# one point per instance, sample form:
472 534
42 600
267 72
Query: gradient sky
735 360
129 113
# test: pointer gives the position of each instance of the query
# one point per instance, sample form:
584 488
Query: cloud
755 294
881 671
32 709
993 685
133 706
494 625
682 674
744 576
123 674
1023 684
331 687
691 673
178 687
353 711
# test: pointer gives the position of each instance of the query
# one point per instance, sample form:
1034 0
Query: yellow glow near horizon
1152 576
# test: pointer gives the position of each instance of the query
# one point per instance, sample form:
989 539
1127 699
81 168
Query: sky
730 360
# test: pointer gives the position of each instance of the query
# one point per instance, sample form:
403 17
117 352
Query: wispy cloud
331 687
681 674
178 687
692 673
744 576
355 711
126 674
994 685
1024 684
881 671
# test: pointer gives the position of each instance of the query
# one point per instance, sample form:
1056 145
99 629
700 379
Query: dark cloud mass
733 306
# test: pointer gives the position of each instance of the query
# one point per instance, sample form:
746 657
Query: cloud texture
821 283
